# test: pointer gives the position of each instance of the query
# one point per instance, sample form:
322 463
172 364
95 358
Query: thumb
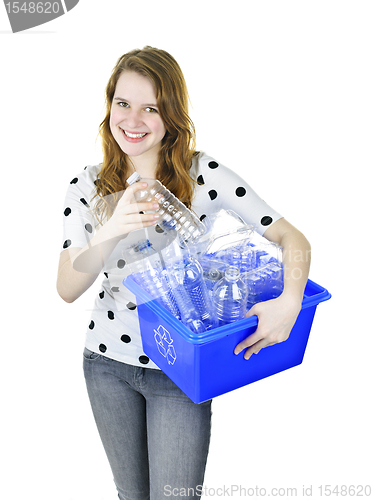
252 311
128 195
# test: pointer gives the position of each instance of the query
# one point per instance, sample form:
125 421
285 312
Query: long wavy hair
178 144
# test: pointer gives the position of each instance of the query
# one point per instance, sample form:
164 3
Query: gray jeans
156 439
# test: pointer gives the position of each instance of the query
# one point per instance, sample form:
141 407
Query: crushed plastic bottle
264 283
205 285
230 297
174 215
192 296
150 275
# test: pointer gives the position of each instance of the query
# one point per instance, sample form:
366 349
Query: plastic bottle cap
135 177
232 272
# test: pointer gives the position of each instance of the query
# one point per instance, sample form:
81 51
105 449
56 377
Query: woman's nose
133 118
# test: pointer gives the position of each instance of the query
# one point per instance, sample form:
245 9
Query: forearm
71 284
91 259
296 258
276 317
79 268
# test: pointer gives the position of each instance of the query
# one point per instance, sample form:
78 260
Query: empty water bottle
193 299
174 215
212 276
150 275
229 297
213 271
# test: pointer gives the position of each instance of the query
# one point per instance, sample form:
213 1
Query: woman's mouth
133 136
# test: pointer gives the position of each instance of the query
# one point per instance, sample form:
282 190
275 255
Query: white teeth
134 136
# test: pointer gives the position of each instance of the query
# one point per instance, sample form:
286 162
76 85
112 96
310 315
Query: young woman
156 439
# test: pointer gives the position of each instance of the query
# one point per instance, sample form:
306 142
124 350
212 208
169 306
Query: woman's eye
151 110
123 104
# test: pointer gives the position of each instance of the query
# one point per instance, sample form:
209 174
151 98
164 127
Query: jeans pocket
90 355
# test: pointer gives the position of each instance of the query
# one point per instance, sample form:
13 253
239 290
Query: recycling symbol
165 344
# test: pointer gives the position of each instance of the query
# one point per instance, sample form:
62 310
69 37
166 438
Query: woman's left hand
276 318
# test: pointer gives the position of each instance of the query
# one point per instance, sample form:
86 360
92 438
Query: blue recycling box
204 365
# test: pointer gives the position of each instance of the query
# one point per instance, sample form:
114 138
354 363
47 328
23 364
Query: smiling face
134 119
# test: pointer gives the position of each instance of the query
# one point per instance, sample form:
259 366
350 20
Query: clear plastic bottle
213 271
229 297
193 299
174 215
265 283
211 277
150 275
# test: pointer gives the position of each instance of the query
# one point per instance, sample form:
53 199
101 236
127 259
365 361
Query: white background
281 93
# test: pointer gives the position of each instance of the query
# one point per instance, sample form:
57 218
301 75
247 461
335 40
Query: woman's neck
145 166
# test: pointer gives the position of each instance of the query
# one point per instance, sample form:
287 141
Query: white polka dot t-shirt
113 329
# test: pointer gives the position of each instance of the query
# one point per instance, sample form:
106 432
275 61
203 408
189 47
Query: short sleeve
221 188
79 223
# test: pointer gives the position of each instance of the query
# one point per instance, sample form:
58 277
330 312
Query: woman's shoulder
202 159
85 181
203 162
82 187
88 175
206 165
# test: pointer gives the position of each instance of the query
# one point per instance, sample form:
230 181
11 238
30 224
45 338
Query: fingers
259 339
252 311
130 217
255 342
252 346
257 347
129 193
133 218
274 325
142 207
248 342
132 206
135 212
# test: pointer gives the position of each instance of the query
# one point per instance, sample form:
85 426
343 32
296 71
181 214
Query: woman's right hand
79 267
127 215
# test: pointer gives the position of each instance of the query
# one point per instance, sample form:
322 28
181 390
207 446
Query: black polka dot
158 229
213 164
115 289
213 194
84 202
202 217
101 294
74 181
131 306
102 347
110 314
121 263
91 325
266 220
106 275
67 211
88 228
144 360
66 243
125 338
240 191
200 179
